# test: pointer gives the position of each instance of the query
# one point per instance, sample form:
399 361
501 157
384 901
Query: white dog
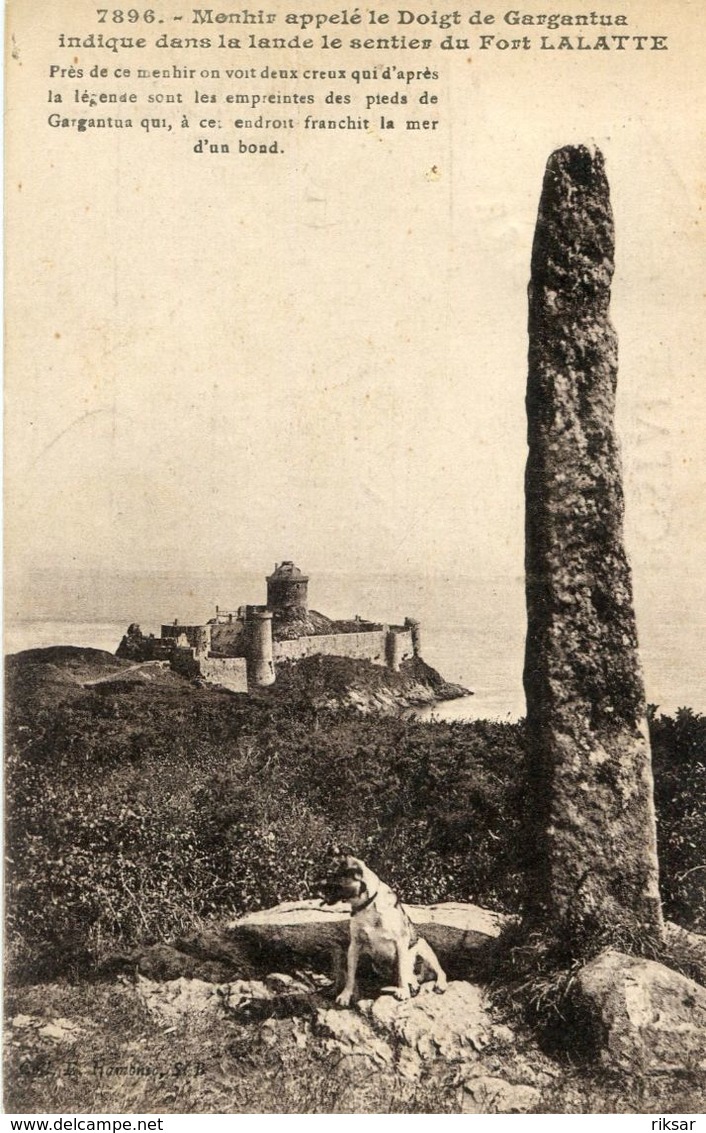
380 929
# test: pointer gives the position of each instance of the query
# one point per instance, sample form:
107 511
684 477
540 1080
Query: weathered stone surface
60 1030
347 1033
174 1000
164 962
455 1026
410 1040
214 946
494 1095
645 1015
300 934
309 930
590 809
276 996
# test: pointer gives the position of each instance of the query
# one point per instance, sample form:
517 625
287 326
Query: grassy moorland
140 806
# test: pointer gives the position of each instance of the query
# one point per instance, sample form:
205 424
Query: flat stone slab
308 928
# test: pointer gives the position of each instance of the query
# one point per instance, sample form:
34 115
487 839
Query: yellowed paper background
217 360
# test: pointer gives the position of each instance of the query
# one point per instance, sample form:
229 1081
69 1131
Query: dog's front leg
338 967
405 970
346 995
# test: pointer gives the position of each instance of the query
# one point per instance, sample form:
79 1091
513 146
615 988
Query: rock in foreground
454 1031
644 1016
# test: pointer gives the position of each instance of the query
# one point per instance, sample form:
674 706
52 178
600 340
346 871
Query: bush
134 811
679 763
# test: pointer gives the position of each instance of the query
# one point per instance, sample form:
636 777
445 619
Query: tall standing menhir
591 823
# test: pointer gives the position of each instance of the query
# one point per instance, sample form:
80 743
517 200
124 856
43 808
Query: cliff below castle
346 682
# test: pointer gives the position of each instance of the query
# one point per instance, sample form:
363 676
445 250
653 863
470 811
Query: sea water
472 629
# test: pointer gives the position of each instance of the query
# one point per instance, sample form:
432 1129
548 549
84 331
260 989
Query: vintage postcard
354 584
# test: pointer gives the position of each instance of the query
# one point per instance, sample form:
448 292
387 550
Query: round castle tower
202 641
287 590
415 630
258 649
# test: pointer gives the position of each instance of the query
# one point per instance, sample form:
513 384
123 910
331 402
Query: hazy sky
322 355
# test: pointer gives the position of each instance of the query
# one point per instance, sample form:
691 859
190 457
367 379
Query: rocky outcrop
450 1032
643 1016
455 1027
278 995
488 1094
442 689
590 807
350 682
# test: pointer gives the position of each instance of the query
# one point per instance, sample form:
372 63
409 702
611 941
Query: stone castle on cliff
240 650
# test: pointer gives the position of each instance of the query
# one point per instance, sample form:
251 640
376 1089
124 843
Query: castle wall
369 646
224 635
154 649
192 633
415 630
381 647
221 635
230 672
203 641
404 645
185 663
398 648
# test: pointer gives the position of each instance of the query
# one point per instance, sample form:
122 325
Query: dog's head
346 879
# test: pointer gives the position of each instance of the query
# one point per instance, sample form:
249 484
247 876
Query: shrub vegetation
136 809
